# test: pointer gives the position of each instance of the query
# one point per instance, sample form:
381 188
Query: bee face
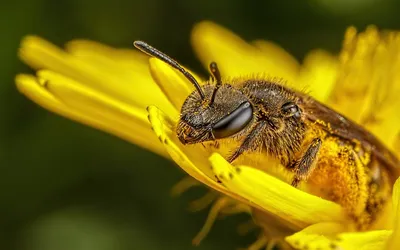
202 120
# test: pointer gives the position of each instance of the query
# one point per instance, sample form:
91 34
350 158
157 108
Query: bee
341 160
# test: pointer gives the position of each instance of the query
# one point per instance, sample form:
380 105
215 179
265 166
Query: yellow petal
172 83
322 236
369 80
163 128
234 56
123 126
298 208
317 236
318 74
192 161
394 241
81 97
372 240
95 69
129 59
280 57
32 88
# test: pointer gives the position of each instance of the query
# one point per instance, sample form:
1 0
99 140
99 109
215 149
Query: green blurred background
64 186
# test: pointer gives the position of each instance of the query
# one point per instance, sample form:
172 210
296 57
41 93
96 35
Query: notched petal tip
22 79
34 88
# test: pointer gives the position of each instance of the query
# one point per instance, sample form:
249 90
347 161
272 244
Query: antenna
144 47
217 76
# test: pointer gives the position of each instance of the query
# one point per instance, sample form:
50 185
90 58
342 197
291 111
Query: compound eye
290 109
234 122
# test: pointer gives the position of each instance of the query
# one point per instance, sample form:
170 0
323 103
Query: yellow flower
114 90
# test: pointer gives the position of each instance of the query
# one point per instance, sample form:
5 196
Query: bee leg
306 164
251 142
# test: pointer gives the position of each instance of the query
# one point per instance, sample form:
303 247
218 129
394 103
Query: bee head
223 112
211 112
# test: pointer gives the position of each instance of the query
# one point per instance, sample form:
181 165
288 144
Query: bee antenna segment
217 76
146 48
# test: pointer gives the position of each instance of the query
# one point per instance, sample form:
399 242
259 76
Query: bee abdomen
352 178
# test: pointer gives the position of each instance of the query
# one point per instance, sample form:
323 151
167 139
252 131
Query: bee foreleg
251 142
306 164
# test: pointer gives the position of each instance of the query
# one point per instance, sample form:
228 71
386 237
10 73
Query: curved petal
172 83
234 56
81 97
197 167
275 196
124 126
280 57
95 69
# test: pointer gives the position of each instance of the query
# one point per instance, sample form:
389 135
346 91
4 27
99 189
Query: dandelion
138 99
